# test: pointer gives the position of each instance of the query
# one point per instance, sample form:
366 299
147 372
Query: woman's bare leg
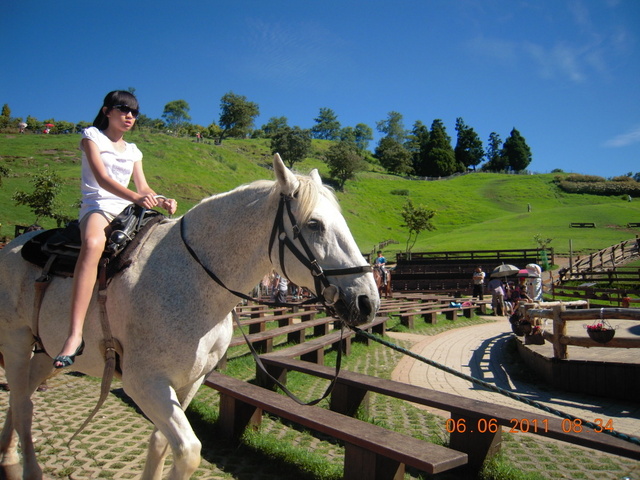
93 230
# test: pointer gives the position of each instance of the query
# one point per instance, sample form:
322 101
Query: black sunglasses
126 109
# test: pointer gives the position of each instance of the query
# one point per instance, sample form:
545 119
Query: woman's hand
170 205
147 201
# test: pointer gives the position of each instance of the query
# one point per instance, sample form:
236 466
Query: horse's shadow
232 457
508 371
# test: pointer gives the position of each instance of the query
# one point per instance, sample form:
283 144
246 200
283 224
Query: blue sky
566 74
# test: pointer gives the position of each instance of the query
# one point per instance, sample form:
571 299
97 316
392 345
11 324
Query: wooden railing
560 316
609 257
598 297
618 275
528 255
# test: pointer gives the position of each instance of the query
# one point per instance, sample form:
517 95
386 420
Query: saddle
57 250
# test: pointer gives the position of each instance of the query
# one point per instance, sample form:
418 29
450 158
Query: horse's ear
315 176
287 180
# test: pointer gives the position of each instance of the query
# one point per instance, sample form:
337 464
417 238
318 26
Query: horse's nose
366 307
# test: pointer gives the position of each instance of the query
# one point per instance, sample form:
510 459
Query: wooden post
478 445
559 330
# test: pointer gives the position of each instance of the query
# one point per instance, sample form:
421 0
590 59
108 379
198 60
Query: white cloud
624 139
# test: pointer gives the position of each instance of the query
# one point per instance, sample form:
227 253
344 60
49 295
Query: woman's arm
92 152
169 204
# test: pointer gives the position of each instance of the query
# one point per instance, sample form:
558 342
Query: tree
237 115
274 126
293 144
344 162
393 127
393 156
439 159
42 201
516 152
327 125
364 135
416 220
5 116
495 161
468 150
416 144
176 114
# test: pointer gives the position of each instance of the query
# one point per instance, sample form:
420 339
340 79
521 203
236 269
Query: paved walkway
479 351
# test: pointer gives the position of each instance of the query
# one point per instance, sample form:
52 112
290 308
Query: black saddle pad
65 244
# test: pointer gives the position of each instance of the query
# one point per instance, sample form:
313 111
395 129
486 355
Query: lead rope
289 393
502 391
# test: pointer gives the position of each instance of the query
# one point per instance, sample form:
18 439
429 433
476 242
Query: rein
329 293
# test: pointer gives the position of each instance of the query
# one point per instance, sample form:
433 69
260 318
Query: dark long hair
117 97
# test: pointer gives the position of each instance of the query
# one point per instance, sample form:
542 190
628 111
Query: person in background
381 264
478 283
497 296
281 288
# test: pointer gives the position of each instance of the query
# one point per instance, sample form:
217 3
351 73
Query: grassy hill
476 211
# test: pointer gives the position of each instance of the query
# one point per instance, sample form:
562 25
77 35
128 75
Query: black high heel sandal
67 360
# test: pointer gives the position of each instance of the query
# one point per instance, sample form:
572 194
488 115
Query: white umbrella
505 270
534 270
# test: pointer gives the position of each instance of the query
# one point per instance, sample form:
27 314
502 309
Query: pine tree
468 149
516 152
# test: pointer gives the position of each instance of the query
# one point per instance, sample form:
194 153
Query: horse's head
312 246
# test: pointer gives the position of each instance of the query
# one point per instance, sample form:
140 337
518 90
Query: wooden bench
473 425
582 225
257 324
633 225
430 314
399 307
313 350
296 333
259 310
371 452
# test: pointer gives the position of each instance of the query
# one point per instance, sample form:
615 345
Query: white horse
170 320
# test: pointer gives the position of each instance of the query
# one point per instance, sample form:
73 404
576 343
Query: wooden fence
598 297
619 275
471 257
560 316
609 257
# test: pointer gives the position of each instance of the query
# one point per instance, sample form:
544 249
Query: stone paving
479 351
114 444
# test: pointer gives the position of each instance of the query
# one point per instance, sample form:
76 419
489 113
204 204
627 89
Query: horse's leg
156 454
40 368
158 443
161 404
18 372
8 443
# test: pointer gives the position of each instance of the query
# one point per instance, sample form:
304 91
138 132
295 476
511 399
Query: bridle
329 293
325 291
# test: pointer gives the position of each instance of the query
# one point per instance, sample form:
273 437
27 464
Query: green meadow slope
476 211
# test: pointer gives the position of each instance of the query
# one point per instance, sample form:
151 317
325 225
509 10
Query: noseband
328 293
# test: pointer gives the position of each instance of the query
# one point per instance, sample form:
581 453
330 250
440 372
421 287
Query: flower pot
601 336
521 329
535 339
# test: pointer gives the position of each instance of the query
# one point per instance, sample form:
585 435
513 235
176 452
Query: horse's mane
308 194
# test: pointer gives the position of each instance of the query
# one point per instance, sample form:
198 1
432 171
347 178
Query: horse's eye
314 225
